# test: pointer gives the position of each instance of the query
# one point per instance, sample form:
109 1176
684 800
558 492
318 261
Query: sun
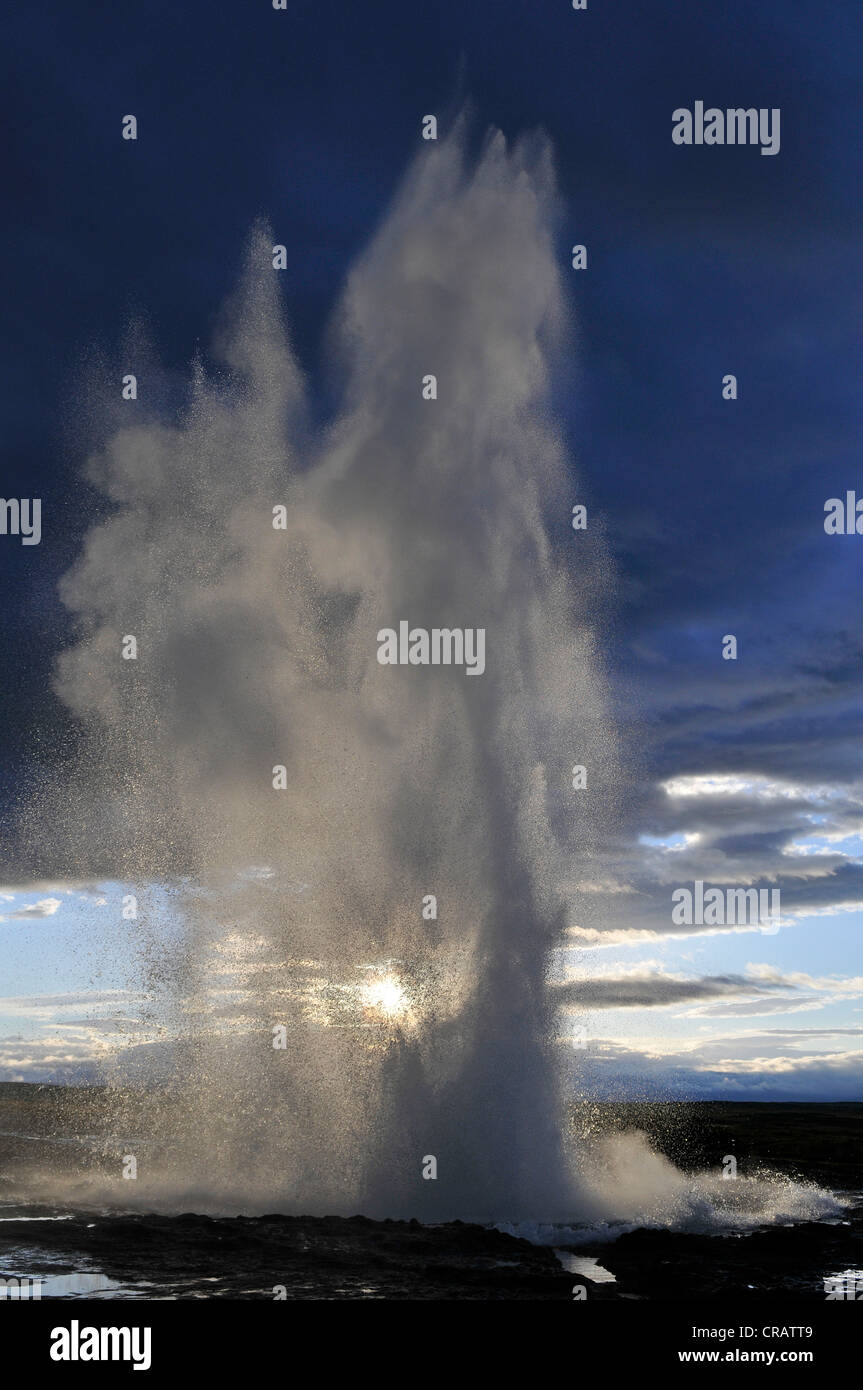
386 995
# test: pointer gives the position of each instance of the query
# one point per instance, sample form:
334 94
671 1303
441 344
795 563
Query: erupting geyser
300 799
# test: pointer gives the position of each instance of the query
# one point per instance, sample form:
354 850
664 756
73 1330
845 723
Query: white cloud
738 784
748 1068
45 907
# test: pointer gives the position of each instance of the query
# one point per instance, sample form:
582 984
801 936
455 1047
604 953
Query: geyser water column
304 799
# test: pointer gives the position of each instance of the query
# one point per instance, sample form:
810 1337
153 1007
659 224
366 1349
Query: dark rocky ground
310 1257
779 1261
193 1256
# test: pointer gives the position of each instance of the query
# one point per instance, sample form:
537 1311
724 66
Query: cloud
40 1004
836 985
744 1069
72 1036
813 1033
644 989
805 994
757 1008
62 1060
46 907
761 990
